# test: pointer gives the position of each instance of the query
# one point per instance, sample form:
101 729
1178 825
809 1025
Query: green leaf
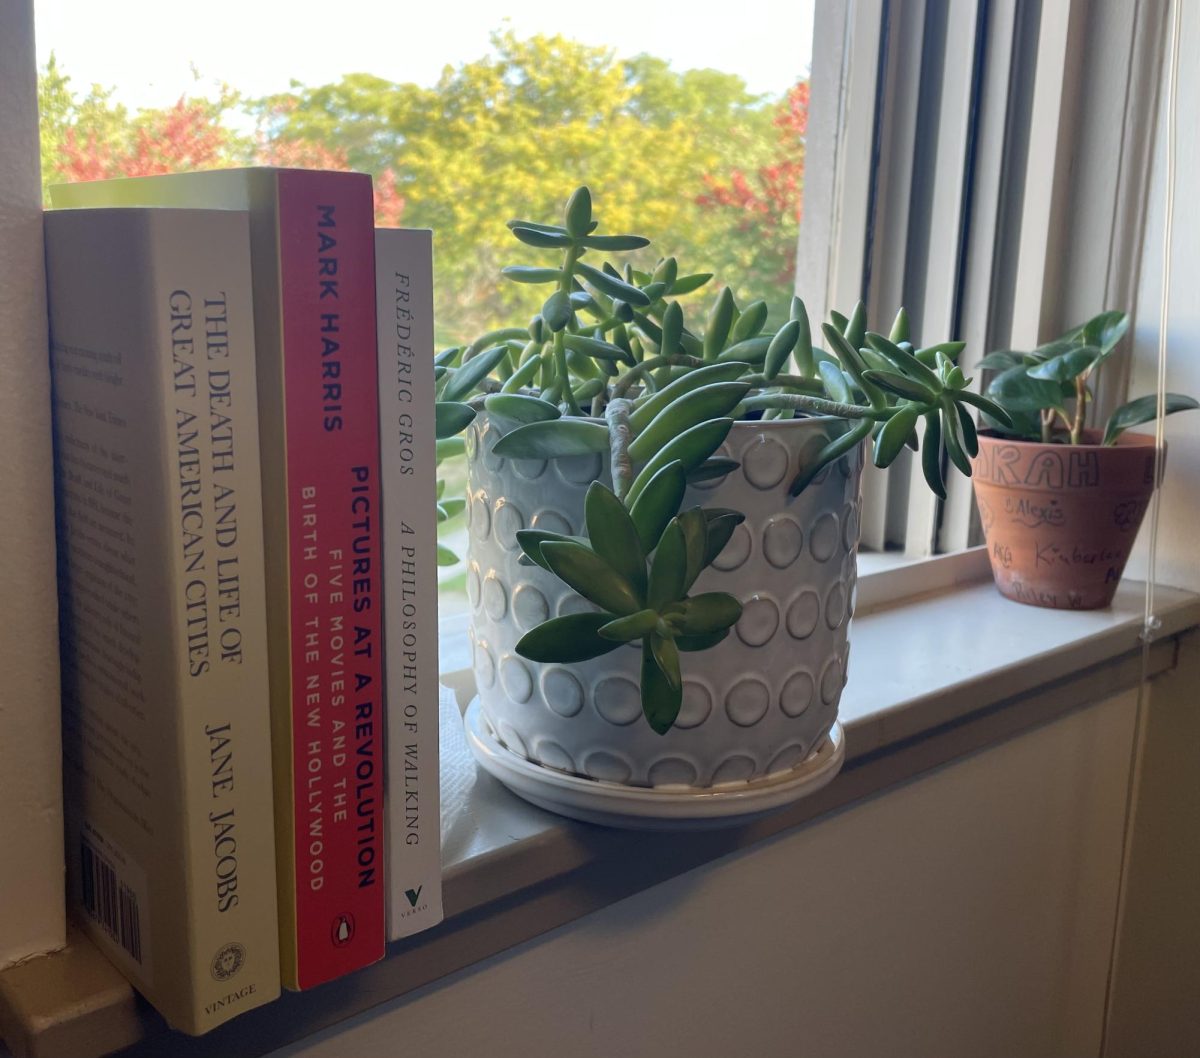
472 373
988 407
557 310
613 535
445 557
904 362
451 418
553 229
614 242
529 274
1000 360
751 350
448 357
648 407
700 405
721 524
666 271
894 434
578 214
658 504
666 654
692 447
448 509
688 284
901 385
553 439
520 408
928 355
712 468
668 567
781 348
1105 331
1014 390
591 576
856 326
542 239
662 692
836 384
970 439
1066 366
720 318
835 449
627 629
803 354
750 322
695 538
531 541
575 637
931 455
672 328
708 612
581 343
1143 409
612 286
952 435
838 320
899 331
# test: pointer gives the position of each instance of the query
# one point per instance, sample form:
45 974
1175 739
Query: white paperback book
166 733
404 300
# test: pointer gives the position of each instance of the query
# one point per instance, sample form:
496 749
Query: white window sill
933 676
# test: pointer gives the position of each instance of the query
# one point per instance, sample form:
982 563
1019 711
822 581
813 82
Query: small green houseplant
614 367
1061 502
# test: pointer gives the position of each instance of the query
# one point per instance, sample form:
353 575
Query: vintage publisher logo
228 960
414 895
342 931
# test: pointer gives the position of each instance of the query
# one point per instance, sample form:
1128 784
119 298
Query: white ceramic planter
755 705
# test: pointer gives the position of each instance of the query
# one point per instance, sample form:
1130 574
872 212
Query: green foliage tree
514 132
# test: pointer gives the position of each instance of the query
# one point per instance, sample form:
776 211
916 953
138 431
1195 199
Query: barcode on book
110 901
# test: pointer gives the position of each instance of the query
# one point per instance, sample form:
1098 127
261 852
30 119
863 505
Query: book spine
172 835
331 461
404 299
206 343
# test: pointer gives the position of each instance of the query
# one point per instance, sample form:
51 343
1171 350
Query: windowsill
964 669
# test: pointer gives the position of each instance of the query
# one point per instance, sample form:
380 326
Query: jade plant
1046 391
613 364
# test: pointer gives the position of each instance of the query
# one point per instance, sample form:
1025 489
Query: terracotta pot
1061 519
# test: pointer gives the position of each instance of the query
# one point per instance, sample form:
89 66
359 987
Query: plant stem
1081 399
816 405
621 387
1047 417
620 435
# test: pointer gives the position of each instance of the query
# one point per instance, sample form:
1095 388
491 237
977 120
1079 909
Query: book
404 306
313 279
163 606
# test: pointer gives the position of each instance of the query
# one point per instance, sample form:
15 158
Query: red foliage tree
767 203
183 137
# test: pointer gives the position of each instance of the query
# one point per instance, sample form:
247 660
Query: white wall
31 854
969 912
1179 542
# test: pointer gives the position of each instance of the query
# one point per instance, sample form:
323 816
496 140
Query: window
930 143
693 138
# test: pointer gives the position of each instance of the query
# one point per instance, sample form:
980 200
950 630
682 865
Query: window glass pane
689 128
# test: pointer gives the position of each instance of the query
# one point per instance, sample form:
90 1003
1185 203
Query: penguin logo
342 931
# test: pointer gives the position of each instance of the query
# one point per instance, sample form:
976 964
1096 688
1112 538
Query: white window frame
1007 236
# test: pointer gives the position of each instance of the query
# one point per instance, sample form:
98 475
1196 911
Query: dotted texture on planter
755 705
